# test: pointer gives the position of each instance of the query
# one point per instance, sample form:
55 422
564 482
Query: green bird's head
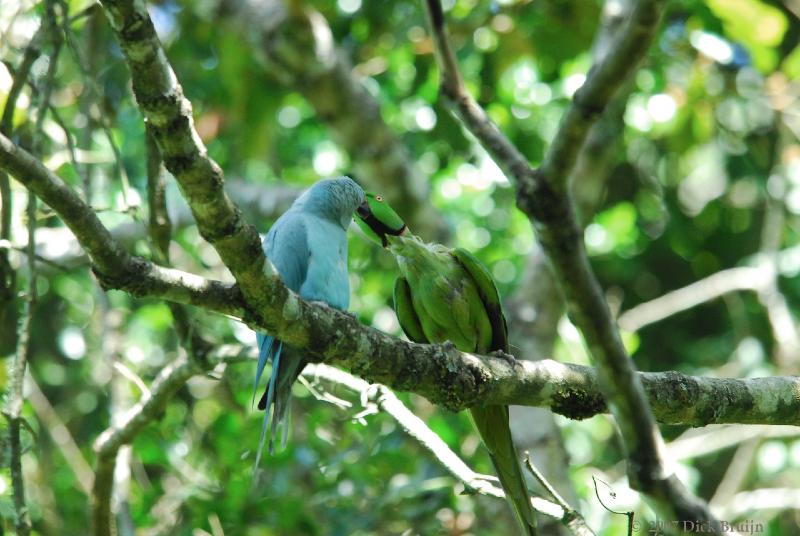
378 220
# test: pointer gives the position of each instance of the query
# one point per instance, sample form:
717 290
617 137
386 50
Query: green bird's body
446 294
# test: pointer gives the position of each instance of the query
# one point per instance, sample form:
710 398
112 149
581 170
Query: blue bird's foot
321 303
448 346
328 306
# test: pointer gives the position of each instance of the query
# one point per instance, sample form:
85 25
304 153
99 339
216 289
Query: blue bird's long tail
286 367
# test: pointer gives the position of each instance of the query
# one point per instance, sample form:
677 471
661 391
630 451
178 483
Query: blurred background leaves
707 178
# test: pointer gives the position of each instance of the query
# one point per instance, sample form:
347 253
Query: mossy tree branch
441 373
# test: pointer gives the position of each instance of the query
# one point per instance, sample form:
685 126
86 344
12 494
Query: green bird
443 295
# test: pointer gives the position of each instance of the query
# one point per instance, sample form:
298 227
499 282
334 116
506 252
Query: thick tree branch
573 391
440 373
535 309
169 116
542 194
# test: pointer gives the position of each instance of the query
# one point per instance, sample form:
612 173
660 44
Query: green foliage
709 157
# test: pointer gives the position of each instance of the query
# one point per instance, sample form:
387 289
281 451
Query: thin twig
122 432
73 158
61 436
760 278
85 12
682 299
8 276
112 264
112 455
572 518
159 224
120 401
6 245
385 400
90 80
31 54
629 515
764 500
736 473
134 378
545 484
15 397
710 439
782 323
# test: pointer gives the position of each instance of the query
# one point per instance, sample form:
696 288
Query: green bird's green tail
492 425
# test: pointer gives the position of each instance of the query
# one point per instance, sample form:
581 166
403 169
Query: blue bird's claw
448 345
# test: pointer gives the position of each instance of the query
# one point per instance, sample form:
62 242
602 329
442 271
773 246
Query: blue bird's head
334 199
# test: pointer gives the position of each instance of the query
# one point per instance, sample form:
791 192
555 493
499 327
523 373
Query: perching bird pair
441 295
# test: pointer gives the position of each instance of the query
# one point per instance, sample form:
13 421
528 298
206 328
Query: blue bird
308 247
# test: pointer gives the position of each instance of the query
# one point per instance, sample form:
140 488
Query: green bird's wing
492 421
489 296
406 315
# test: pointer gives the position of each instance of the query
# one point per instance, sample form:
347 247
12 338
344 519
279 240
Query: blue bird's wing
310 255
286 246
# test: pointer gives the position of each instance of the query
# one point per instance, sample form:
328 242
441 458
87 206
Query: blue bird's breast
326 279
